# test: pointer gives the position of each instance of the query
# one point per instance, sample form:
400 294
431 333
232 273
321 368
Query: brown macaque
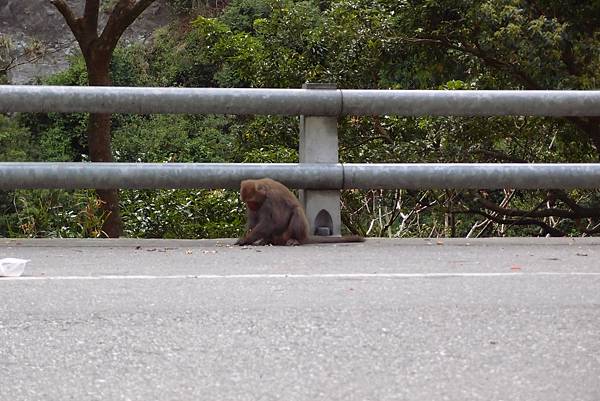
276 217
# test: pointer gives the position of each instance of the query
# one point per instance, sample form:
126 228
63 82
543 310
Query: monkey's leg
295 231
281 239
285 239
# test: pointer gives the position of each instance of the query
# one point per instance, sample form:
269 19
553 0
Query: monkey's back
296 223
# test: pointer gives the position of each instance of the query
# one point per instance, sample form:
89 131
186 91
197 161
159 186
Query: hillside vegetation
379 44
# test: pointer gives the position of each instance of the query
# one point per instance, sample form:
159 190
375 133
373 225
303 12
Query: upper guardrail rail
303 175
314 102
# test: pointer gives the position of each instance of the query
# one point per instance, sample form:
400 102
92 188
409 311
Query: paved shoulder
386 320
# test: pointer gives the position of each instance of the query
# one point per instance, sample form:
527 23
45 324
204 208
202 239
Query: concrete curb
224 242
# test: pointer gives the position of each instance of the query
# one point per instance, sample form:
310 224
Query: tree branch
73 22
90 15
591 231
28 57
591 126
394 216
486 223
139 8
354 229
579 213
123 15
476 51
561 195
521 222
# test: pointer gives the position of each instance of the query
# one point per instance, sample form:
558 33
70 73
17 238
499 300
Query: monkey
276 217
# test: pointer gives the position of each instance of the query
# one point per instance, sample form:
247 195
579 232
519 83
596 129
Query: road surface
420 319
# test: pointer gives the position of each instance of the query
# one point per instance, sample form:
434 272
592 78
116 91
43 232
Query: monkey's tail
318 239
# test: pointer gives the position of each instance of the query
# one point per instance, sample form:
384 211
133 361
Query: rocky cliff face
24 21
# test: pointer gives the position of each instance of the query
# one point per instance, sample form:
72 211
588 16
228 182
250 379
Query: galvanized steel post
319 144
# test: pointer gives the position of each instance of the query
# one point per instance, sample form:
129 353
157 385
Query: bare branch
354 229
575 214
521 222
73 22
122 16
508 195
139 8
29 57
561 195
394 214
65 10
591 231
526 213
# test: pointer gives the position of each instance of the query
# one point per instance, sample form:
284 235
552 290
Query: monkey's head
253 193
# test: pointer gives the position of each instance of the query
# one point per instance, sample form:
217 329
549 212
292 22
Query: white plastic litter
12 267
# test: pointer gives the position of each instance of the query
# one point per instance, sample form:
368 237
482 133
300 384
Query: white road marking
298 276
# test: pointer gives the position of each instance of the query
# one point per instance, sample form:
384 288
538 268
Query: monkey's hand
242 241
258 233
247 239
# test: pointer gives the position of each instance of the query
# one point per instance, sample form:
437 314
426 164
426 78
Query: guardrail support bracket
319 144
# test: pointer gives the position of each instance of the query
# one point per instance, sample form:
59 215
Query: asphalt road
514 319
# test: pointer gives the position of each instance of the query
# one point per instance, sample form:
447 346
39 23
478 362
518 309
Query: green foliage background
378 44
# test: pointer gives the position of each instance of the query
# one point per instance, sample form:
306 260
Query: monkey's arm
260 232
252 219
260 225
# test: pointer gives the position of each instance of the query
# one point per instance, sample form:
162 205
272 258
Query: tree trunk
97 51
99 135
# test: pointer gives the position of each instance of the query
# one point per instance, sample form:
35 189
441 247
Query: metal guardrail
310 102
318 176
